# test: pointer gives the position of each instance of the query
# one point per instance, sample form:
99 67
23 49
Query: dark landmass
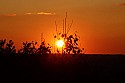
57 68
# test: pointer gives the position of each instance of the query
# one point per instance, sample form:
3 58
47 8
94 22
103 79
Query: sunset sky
99 23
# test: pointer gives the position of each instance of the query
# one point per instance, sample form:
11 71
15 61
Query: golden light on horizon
60 43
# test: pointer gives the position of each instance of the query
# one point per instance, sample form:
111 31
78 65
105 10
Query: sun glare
60 43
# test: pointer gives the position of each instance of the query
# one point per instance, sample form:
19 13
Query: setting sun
60 43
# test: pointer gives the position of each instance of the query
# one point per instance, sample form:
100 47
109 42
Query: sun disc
60 43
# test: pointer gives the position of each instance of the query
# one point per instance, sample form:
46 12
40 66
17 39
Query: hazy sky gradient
100 23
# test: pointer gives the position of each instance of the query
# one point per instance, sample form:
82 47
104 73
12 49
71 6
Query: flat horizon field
59 68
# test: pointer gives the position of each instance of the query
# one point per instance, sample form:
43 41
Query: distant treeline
71 46
28 48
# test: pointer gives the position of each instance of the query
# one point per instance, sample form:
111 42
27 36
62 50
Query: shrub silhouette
71 41
10 48
43 49
28 48
71 45
7 48
2 46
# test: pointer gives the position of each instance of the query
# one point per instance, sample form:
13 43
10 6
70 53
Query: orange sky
100 23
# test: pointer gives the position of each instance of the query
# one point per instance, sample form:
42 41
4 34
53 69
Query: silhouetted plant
10 48
28 48
71 44
71 41
2 46
43 49
7 48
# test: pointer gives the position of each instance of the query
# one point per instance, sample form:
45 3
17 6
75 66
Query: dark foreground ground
62 68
